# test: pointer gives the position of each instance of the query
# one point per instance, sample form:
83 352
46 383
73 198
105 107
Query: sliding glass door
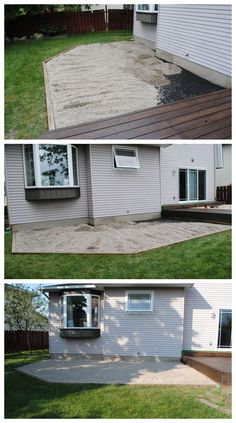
224 330
192 185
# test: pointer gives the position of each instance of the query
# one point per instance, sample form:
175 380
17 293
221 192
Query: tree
24 309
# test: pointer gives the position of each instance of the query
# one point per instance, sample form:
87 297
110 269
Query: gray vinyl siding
58 345
120 192
153 334
198 33
22 211
177 156
201 314
224 175
146 31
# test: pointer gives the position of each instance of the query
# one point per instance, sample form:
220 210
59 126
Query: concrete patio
115 372
111 238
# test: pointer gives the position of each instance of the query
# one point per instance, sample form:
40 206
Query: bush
52 30
37 36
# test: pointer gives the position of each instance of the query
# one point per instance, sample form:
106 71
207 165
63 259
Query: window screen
125 158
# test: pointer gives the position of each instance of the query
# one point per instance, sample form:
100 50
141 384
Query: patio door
225 327
192 185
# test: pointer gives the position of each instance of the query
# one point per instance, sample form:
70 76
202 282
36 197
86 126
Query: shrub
52 30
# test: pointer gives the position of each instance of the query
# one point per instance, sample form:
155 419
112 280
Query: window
139 301
50 165
192 185
80 311
125 157
224 330
149 8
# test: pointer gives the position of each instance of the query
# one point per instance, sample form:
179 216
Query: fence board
120 19
224 194
15 341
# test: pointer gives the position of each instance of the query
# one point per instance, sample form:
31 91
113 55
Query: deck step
204 215
217 370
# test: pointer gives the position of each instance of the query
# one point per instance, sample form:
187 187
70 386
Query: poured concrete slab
115 372
96 81
112 238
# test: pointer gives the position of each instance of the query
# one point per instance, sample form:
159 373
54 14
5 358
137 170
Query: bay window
50 165
150 8
80 311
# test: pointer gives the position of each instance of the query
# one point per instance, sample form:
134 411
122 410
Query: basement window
50 166
125 157
139 301
80 311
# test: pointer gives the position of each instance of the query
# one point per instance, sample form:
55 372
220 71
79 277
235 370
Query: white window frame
150 10
37 173
127 148
139 291
218 328
88 297
188 169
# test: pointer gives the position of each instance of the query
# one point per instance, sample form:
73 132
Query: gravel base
117 237
96 81
115 372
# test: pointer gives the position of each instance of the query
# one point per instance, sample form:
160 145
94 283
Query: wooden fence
16 341
224 194
120 19
73 22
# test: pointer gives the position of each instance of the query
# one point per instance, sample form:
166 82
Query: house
224 173
60 184
160 320
196 37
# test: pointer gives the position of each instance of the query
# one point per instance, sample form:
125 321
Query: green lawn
27 397
25 107
208 257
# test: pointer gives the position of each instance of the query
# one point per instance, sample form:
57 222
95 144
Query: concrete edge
49 108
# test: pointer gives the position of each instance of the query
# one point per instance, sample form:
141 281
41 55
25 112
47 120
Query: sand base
113 238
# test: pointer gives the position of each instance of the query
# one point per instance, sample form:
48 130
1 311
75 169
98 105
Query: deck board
203 117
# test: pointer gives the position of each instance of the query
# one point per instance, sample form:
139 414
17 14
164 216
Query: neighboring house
94 7
146 319
50 185
224 173
196 37
42 320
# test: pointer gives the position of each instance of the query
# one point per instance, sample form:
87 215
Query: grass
208 257
25 107
27 397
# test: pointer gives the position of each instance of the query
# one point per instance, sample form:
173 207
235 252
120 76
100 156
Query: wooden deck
203 117
199 214
218 368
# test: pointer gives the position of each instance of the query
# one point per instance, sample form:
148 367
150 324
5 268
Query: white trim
127 148
206 187
37 171
151 8
88 311
140 291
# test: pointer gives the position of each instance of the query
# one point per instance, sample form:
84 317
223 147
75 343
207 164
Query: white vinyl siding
199 33
126 192
201 314
194 156
224 175
153 334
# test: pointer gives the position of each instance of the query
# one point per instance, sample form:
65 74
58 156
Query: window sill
147 17
40 194
80 333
